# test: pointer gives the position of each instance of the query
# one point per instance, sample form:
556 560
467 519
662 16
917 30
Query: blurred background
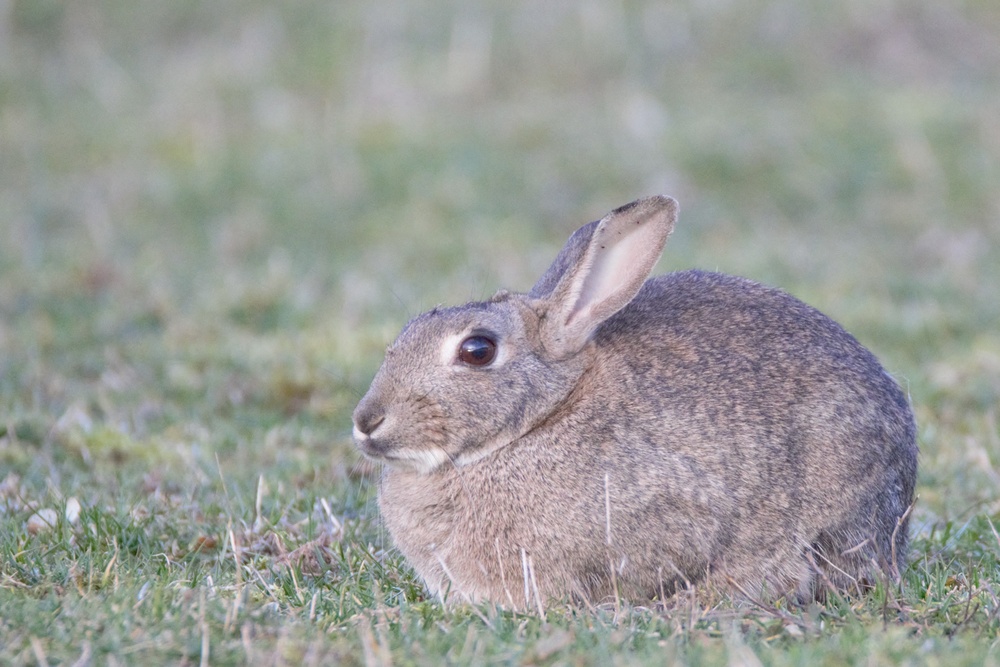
214 216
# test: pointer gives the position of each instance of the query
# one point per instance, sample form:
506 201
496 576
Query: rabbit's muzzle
381 436
365 424
368 417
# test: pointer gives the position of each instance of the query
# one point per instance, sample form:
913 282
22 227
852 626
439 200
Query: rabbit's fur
632 435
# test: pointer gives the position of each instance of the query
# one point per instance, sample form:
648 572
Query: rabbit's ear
600 269
568 257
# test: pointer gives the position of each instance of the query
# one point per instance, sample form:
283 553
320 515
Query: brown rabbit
605 434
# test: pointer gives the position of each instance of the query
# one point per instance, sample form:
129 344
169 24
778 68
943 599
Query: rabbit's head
459 383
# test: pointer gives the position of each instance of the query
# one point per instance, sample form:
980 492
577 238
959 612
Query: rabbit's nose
366 421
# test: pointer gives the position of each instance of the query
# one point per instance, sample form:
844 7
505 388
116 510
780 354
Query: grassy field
214 216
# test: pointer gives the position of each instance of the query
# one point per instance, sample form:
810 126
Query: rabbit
607 437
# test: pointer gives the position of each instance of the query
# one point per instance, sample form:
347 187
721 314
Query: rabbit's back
741 359
798 439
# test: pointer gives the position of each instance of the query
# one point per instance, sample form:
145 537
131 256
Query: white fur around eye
449 348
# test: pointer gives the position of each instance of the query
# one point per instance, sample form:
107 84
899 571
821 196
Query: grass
214 217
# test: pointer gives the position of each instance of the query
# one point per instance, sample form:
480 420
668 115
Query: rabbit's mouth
374 448
421 460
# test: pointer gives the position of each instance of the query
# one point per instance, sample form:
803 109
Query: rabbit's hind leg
785 573
846 562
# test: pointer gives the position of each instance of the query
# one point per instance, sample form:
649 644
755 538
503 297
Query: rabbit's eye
477 351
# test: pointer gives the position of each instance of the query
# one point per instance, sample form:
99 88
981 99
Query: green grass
213 217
